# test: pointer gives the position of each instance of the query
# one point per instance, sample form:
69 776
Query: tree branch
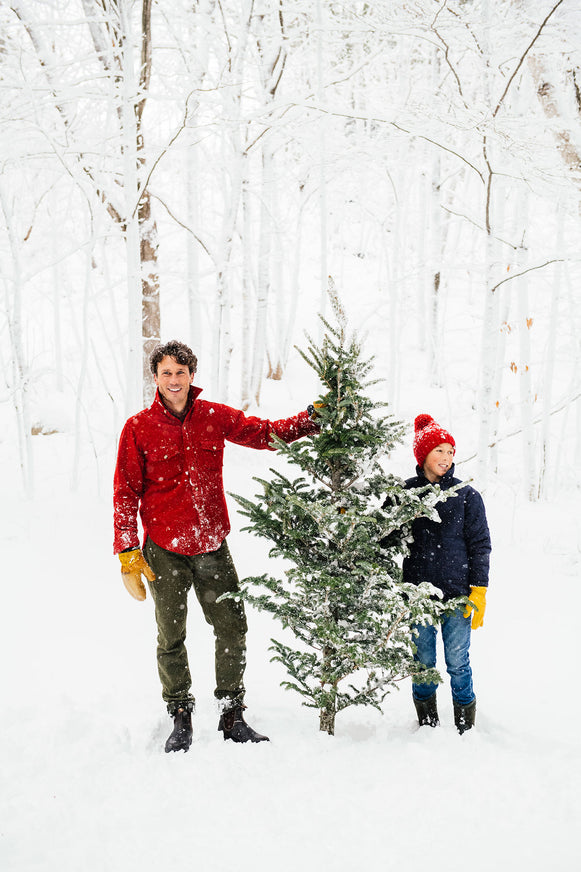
146 59
357 117
515 246
522 59
525 271
185 227
538 420
447 53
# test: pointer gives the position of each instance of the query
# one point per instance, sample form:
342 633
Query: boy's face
438 462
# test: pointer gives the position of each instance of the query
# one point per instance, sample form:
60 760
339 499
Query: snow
86 784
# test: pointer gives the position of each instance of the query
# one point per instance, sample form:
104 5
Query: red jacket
172 471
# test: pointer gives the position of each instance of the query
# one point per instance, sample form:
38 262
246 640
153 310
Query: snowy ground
87 786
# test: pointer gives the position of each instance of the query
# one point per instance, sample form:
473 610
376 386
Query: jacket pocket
209 455
163 464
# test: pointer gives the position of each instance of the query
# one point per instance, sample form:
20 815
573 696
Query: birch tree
448 130
19 384
110 26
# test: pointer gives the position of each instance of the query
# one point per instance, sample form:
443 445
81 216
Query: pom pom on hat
427 436
423 421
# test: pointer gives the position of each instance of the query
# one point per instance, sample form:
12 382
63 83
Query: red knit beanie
427 436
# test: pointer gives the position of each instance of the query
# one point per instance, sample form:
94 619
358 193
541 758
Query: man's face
438 462
173 380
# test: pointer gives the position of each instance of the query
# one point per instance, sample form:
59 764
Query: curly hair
178 350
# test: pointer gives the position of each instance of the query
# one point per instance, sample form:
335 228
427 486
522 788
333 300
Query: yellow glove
478 603
132 566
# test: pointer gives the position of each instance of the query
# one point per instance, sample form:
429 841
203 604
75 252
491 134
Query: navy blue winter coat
454 554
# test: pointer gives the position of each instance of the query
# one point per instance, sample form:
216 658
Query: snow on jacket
454 554
171 470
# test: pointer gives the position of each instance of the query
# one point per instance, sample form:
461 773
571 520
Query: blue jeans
456 638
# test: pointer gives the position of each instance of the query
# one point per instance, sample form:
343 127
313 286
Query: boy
453 555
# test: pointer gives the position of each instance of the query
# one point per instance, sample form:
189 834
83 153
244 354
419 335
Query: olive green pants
211 575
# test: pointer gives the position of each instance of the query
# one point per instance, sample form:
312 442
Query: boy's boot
181 736
464 716
234 727
427 710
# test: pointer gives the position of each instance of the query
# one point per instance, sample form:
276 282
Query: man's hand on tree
313 410
133 565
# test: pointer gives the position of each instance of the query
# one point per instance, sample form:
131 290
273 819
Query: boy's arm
477 537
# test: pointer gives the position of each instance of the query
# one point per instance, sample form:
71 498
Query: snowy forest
205 170
199 169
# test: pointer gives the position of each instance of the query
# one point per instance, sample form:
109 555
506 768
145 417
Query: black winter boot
234 727
464 716
181 737
427 710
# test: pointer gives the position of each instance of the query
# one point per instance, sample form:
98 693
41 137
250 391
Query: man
169 467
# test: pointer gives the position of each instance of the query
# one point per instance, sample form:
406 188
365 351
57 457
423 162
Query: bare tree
111 30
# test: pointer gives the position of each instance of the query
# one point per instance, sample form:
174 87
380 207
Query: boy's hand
133 565
477 605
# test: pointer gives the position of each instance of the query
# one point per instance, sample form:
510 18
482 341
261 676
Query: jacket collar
160 408
446 481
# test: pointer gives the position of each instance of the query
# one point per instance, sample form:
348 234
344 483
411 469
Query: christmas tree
343 526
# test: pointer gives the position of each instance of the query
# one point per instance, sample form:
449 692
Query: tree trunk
20 373
525 325
269 343
148 238
247 283
200 38
194 337
488 347
327 721
233 150
294 291
150 314
264 249
550 368
436 246
277 361
134 374
328 711
546 93
80 387
423 258
488 363
321 33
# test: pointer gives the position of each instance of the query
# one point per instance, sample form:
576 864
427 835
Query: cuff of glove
134 561
477 592
130 558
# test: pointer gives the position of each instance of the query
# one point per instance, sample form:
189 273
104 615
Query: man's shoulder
210 406
203 409
145 421
140 417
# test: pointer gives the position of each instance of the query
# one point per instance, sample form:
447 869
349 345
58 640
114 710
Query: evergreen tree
343 525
